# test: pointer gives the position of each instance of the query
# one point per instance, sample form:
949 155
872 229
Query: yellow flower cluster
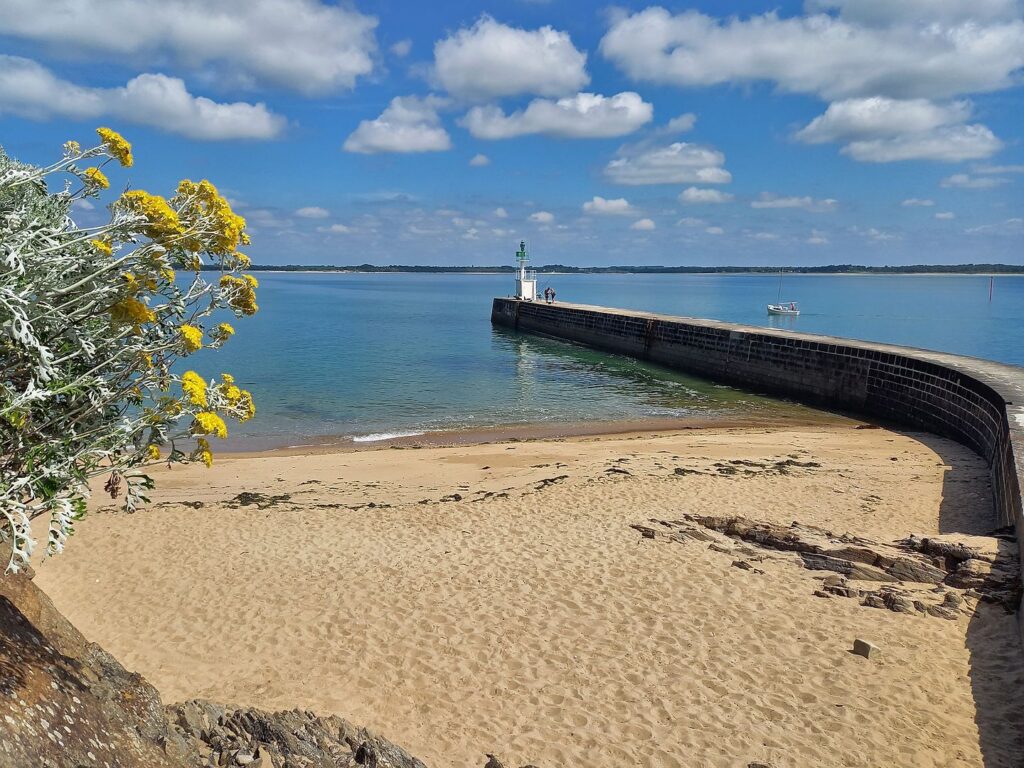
116 145
103 247
203 201
153 452
209 423
203 452
246 405
131 311
167 274
96 178
72 148
238 398
162 222
135 285
194 387
242 292
192 336
226 330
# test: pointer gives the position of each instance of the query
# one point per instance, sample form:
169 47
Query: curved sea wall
975 402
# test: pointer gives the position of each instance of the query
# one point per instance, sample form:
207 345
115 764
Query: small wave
375 436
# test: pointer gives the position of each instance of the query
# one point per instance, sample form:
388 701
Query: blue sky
711 133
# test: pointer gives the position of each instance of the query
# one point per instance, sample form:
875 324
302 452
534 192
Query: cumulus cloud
945 215
880 117
30 90
916 202
644 225
312 212
768 200
966 181
542 217
583 116
479 161
817 238
408 124
303 45
698 195
715 231
501 213
833 57
689 221
401 48
678 163
949 144
617 207
491 60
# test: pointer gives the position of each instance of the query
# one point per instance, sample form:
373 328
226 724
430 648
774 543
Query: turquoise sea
363 356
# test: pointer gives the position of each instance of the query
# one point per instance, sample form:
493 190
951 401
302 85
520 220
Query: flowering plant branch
92 322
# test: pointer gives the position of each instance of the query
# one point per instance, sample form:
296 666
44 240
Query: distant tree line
829 269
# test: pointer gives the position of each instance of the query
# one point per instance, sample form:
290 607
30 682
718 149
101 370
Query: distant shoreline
560 269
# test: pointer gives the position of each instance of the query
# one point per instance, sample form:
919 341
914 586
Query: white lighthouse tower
526 280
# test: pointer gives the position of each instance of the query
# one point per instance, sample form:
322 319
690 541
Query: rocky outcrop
933 576
222 736
67 703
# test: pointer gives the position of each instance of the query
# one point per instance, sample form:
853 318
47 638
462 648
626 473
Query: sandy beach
495 598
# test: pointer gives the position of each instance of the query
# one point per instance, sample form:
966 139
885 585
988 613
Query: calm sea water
362 356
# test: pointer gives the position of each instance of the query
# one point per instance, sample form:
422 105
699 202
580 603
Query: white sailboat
781 307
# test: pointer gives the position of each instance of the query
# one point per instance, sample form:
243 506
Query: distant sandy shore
495 598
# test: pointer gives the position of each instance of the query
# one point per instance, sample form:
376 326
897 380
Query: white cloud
965 181
583 116
690 221
916 202
1014 226
834 58
996 169
644 225
542 217
491 60
82 204
945 215
715 231
880 117
402 48
768 200
878 236
883 130
312 212
764 236
817 238
681 124
949 144
335 229
883 12
479 161
619 206
408 124
303 45
501 213
697 195
678 163
31 90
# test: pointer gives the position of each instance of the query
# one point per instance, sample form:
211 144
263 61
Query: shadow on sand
993 637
